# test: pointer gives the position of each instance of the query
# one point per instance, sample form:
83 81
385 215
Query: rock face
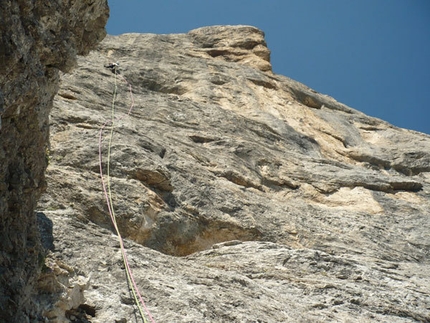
263 200
38 39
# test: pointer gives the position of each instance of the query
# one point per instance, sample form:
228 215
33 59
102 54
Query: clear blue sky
373 55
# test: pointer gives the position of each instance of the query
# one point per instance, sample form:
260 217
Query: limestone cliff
284 204
38 39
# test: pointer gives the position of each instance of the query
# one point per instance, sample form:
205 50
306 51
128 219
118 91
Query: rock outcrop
38 39
261 199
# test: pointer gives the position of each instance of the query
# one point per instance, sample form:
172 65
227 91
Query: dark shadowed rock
37 40
329 208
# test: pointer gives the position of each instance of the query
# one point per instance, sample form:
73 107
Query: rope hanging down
108 193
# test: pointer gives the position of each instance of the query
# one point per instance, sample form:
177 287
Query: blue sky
372 55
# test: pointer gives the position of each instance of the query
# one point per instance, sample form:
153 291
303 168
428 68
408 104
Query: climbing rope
108 193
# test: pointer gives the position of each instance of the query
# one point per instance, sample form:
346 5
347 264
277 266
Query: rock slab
244 195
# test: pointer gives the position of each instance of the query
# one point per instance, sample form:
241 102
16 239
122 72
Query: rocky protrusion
242 44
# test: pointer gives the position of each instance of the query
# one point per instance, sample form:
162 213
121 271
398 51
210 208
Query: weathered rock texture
38 39
329 208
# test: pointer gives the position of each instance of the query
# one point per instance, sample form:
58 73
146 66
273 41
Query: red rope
110 207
